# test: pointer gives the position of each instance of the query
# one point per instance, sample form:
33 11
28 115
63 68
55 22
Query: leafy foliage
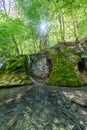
8 28
66 21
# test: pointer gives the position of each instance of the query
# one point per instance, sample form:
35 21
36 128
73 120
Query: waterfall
2 60
29 61
1 64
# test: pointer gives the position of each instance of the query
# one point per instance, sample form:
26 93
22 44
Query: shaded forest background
29 26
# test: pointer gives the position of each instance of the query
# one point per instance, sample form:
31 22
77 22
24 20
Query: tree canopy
39 24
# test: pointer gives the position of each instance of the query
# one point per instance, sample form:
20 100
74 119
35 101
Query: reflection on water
39 108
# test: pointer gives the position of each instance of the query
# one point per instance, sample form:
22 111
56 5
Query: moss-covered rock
63 71
14 72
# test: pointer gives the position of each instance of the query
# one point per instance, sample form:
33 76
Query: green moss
13 64
13 72
63 72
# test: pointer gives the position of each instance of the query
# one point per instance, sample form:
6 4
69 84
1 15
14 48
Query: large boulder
40 67
79 97
14 72
64 70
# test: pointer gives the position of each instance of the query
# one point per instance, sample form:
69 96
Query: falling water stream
2 60
29 63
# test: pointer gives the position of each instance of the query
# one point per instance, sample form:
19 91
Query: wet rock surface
40 107
77 97
40 67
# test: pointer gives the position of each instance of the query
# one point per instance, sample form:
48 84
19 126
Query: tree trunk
3 4
62 27
40 45
34 40
16 45
74 27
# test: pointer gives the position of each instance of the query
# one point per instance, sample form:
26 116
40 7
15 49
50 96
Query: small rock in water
9 100
18 96
33 129
77 97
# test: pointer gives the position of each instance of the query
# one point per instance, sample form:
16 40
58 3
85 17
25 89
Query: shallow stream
40 107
